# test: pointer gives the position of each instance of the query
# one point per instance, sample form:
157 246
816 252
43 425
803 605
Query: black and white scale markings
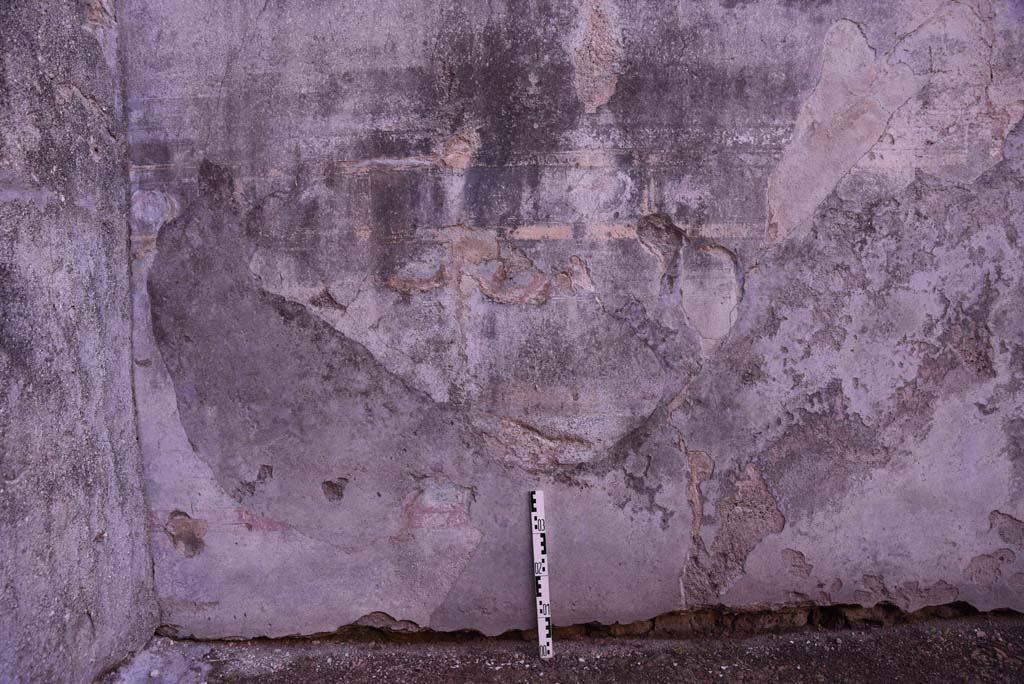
538 526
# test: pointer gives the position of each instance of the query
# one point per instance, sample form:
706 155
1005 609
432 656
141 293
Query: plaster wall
738 284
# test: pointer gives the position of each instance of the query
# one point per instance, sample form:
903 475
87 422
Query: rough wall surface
738 284
76 590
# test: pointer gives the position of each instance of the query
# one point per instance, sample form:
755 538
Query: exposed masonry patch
986 569
701 467
1009 528
435 505
324 298
746 515
460 148
532 448
334 489
875 590
1013 428
249 488
150 209
822 593
511 277
385 623
411 285
823 437
186 533
596 53
798 565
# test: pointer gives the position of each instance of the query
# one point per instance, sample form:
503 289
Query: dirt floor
974 649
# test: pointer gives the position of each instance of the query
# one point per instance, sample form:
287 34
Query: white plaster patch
844 116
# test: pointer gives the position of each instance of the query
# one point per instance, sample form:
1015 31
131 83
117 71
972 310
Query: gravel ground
976 649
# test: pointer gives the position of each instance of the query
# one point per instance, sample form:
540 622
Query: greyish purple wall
738 284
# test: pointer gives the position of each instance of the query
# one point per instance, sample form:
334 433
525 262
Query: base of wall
712 621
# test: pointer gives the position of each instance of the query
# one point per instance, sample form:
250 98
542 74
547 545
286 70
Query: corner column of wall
76 592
